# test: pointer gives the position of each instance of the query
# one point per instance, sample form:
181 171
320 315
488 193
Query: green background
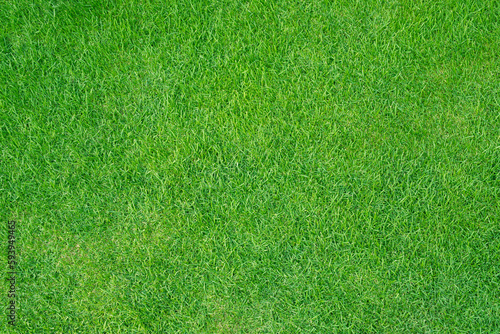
251 167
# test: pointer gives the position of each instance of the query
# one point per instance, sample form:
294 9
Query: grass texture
256 166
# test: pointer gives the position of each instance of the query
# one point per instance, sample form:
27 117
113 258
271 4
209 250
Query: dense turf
252 167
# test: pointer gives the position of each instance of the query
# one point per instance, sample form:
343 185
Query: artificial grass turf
252 167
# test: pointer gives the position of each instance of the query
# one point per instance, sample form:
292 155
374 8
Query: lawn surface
251 166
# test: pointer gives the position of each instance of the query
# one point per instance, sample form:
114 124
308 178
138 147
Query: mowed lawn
256 166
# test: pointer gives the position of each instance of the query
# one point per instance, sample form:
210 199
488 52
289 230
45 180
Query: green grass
252 167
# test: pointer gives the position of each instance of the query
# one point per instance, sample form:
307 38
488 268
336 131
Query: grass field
225 166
